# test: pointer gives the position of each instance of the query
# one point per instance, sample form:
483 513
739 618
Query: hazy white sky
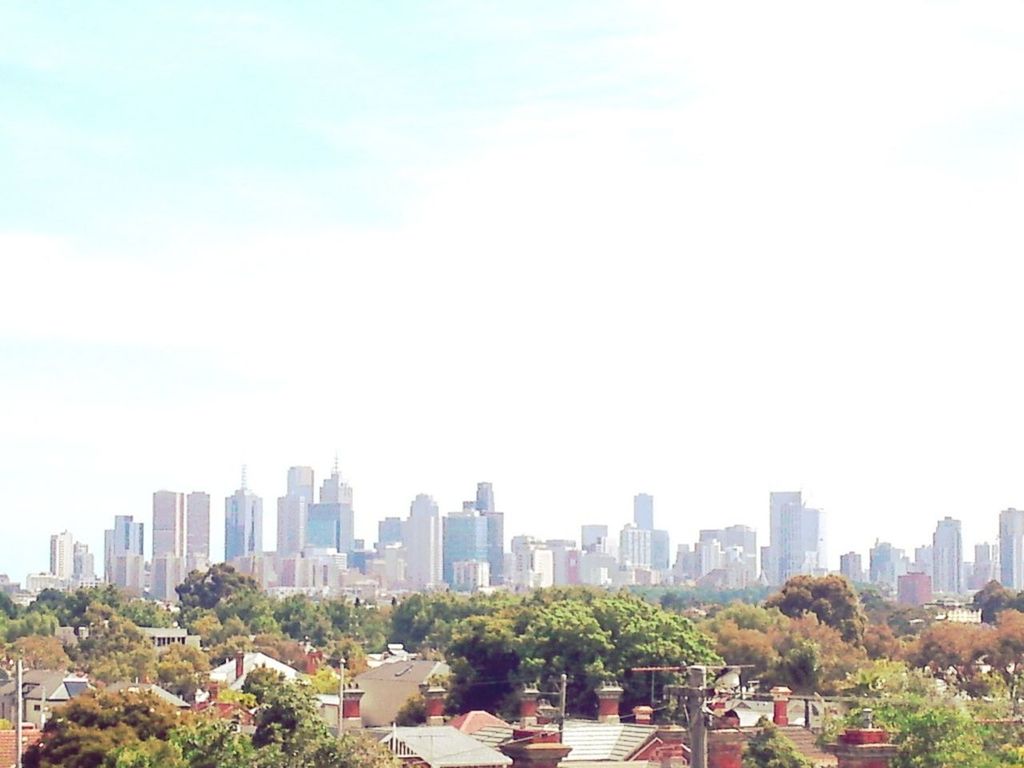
580 250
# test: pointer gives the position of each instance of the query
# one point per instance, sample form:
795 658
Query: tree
206 590
260 681
951 652
182 669
324 680
115 650
1004 651
39 652
412 712
931 735
213 744
991 599
830 598
770 749
83 732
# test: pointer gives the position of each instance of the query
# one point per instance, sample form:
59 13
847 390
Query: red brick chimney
350 708
865 747
609 696
239 664
528 705
780 705
643 715
313 661
434 695
671 752
535 748
725 748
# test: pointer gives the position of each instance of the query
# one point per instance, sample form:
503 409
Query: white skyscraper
1011 548
168 524
62 555
197 531
797 538
421 537
292 509
635 546
947 557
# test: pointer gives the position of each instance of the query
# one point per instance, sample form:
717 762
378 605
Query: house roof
441 746
388 687
417 670
53 685
226 671
590 740
471 722
156 690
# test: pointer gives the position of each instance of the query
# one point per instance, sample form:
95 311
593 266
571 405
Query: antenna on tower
336 462
244 468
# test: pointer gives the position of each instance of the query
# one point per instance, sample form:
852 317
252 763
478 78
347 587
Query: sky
579 249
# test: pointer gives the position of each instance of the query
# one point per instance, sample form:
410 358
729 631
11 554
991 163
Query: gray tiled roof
590 741
440 746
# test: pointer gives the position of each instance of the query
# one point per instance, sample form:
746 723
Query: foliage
830 598
213 744
412 712
260 681
83 732
324 680
931 735
770 749
115 650
182 669
28 624
40 652
991 600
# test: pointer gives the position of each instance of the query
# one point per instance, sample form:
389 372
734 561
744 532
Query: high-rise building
1011 548
947 554
389 531
495 531
126 538
323 526
851 565
168 524
914 589
62 555
197 531
594 538
986 565
464 538
84 565
643 511
243 523
421 537
886 564
337 493
293 511
635 546
797 538
661 550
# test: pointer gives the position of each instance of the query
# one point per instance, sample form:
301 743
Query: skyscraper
421 535
594 538
635 546
797 538
947 554
886 564
464 539
389 531
126 538
168 524
83 570
197 530
62 555
1011 548
495 531
851 566
643 511
243 523
293 511
338 494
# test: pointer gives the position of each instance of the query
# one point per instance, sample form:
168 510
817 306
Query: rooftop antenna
336 462
243 476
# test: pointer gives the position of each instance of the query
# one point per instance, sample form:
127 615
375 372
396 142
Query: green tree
182 669
115 650
830 598
260 681
213 744
40 652
206 590
770 749
991 600
931 735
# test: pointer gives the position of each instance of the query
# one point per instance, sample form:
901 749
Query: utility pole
696 694
21 712
341 700
563 684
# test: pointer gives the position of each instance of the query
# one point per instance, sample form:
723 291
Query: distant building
886 564
168 524
986 565
389 531
495 531
84 566
167 572
422 539
470 575
914 589
797 538
565 561
661 550
947 547
125 538
1011 548
464 539
337 492
594 538
243 523
852 567
197 531
62 555
635 547
643 511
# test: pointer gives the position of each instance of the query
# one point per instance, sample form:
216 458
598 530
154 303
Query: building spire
244 468
336 463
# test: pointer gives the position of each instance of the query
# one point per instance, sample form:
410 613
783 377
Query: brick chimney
643 715
671 752
780 704
725 748
528 705
434 695
351 717
864 747
239 664
609 696
535 748
313 661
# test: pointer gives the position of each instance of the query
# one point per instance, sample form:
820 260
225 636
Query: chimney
608 697
672 751
351 717
239 664
528 705
213 688
434 695
535 748
643 715
725 748
780 705
313 661
864 747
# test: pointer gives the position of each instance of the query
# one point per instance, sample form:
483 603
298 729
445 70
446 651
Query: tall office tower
1011 548
852 566
293 511
168 524
62 555
744 539
923 559
661 550
337 493
635 546
986 565
84 565
421 536
243 523
495 531
197 531
643 511
389 531
797 538
464 539
886 564
948 556
566 561
125 538
594 538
